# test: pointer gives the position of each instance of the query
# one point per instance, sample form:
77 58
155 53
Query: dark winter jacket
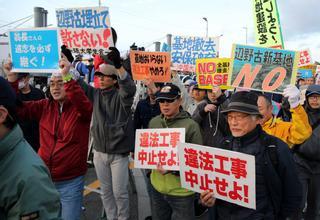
30 128
213 125
278 190
145 111
112 123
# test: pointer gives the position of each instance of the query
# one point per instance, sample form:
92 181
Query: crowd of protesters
44 142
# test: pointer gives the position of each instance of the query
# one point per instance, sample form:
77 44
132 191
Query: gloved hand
293 94
114 56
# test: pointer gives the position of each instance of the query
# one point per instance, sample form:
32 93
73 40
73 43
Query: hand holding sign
293 94
7 67
65 66
114 56
150 84
207 198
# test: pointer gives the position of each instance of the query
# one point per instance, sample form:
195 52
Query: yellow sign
267 24
212 71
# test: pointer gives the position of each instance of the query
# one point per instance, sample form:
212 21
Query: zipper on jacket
55 138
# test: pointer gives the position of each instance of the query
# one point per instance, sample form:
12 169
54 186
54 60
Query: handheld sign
153 65
230 175
35 50
262 69
185 51
212 71
267 24
85 30
158 146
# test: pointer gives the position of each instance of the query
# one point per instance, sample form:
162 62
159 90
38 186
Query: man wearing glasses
169 199
278 190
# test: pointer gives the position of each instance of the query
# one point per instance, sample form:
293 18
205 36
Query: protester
212 122
29 93
64 121
27 191
278 191
198 96
112 132
147 108
307 156
305 77
294 132
169 199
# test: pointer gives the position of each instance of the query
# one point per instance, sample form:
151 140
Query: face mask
21 84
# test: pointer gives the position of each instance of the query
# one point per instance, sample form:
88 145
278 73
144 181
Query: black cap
245 102
169 92
7 95
313 89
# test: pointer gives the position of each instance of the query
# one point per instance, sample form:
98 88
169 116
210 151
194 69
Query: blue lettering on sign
186 50
34 49
82 18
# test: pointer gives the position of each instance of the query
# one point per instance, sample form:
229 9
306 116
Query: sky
146 21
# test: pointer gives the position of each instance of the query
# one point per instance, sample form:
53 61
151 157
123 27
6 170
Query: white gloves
293 94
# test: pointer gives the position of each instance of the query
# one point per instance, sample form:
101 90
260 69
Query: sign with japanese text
153 65
229 175
185 51
85 30
305 58
267 24
212 71
35 50
262 69
158 147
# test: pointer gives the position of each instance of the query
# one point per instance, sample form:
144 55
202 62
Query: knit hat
245 102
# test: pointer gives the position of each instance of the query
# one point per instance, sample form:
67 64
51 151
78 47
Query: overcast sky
146 21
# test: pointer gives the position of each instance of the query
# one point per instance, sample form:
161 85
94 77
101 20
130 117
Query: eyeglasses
314 97
237 117
166 100
56 84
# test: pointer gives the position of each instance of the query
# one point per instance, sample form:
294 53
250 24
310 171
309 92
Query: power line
16 21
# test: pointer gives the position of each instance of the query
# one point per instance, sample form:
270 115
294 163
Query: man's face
240 123
265 109
57 89
170 108
211 96
198 94
314 101
309 81
106 82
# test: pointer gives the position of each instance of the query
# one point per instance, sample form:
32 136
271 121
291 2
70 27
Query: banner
262 69
35 50
85 30
153 65
267 24
185 51
212 71
158 146
229 175
305 58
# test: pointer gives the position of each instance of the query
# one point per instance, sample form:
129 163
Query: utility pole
206 20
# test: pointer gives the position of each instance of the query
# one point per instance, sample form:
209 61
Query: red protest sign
153 65
230 175
158 146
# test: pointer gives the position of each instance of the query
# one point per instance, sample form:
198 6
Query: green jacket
170 184
26 189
